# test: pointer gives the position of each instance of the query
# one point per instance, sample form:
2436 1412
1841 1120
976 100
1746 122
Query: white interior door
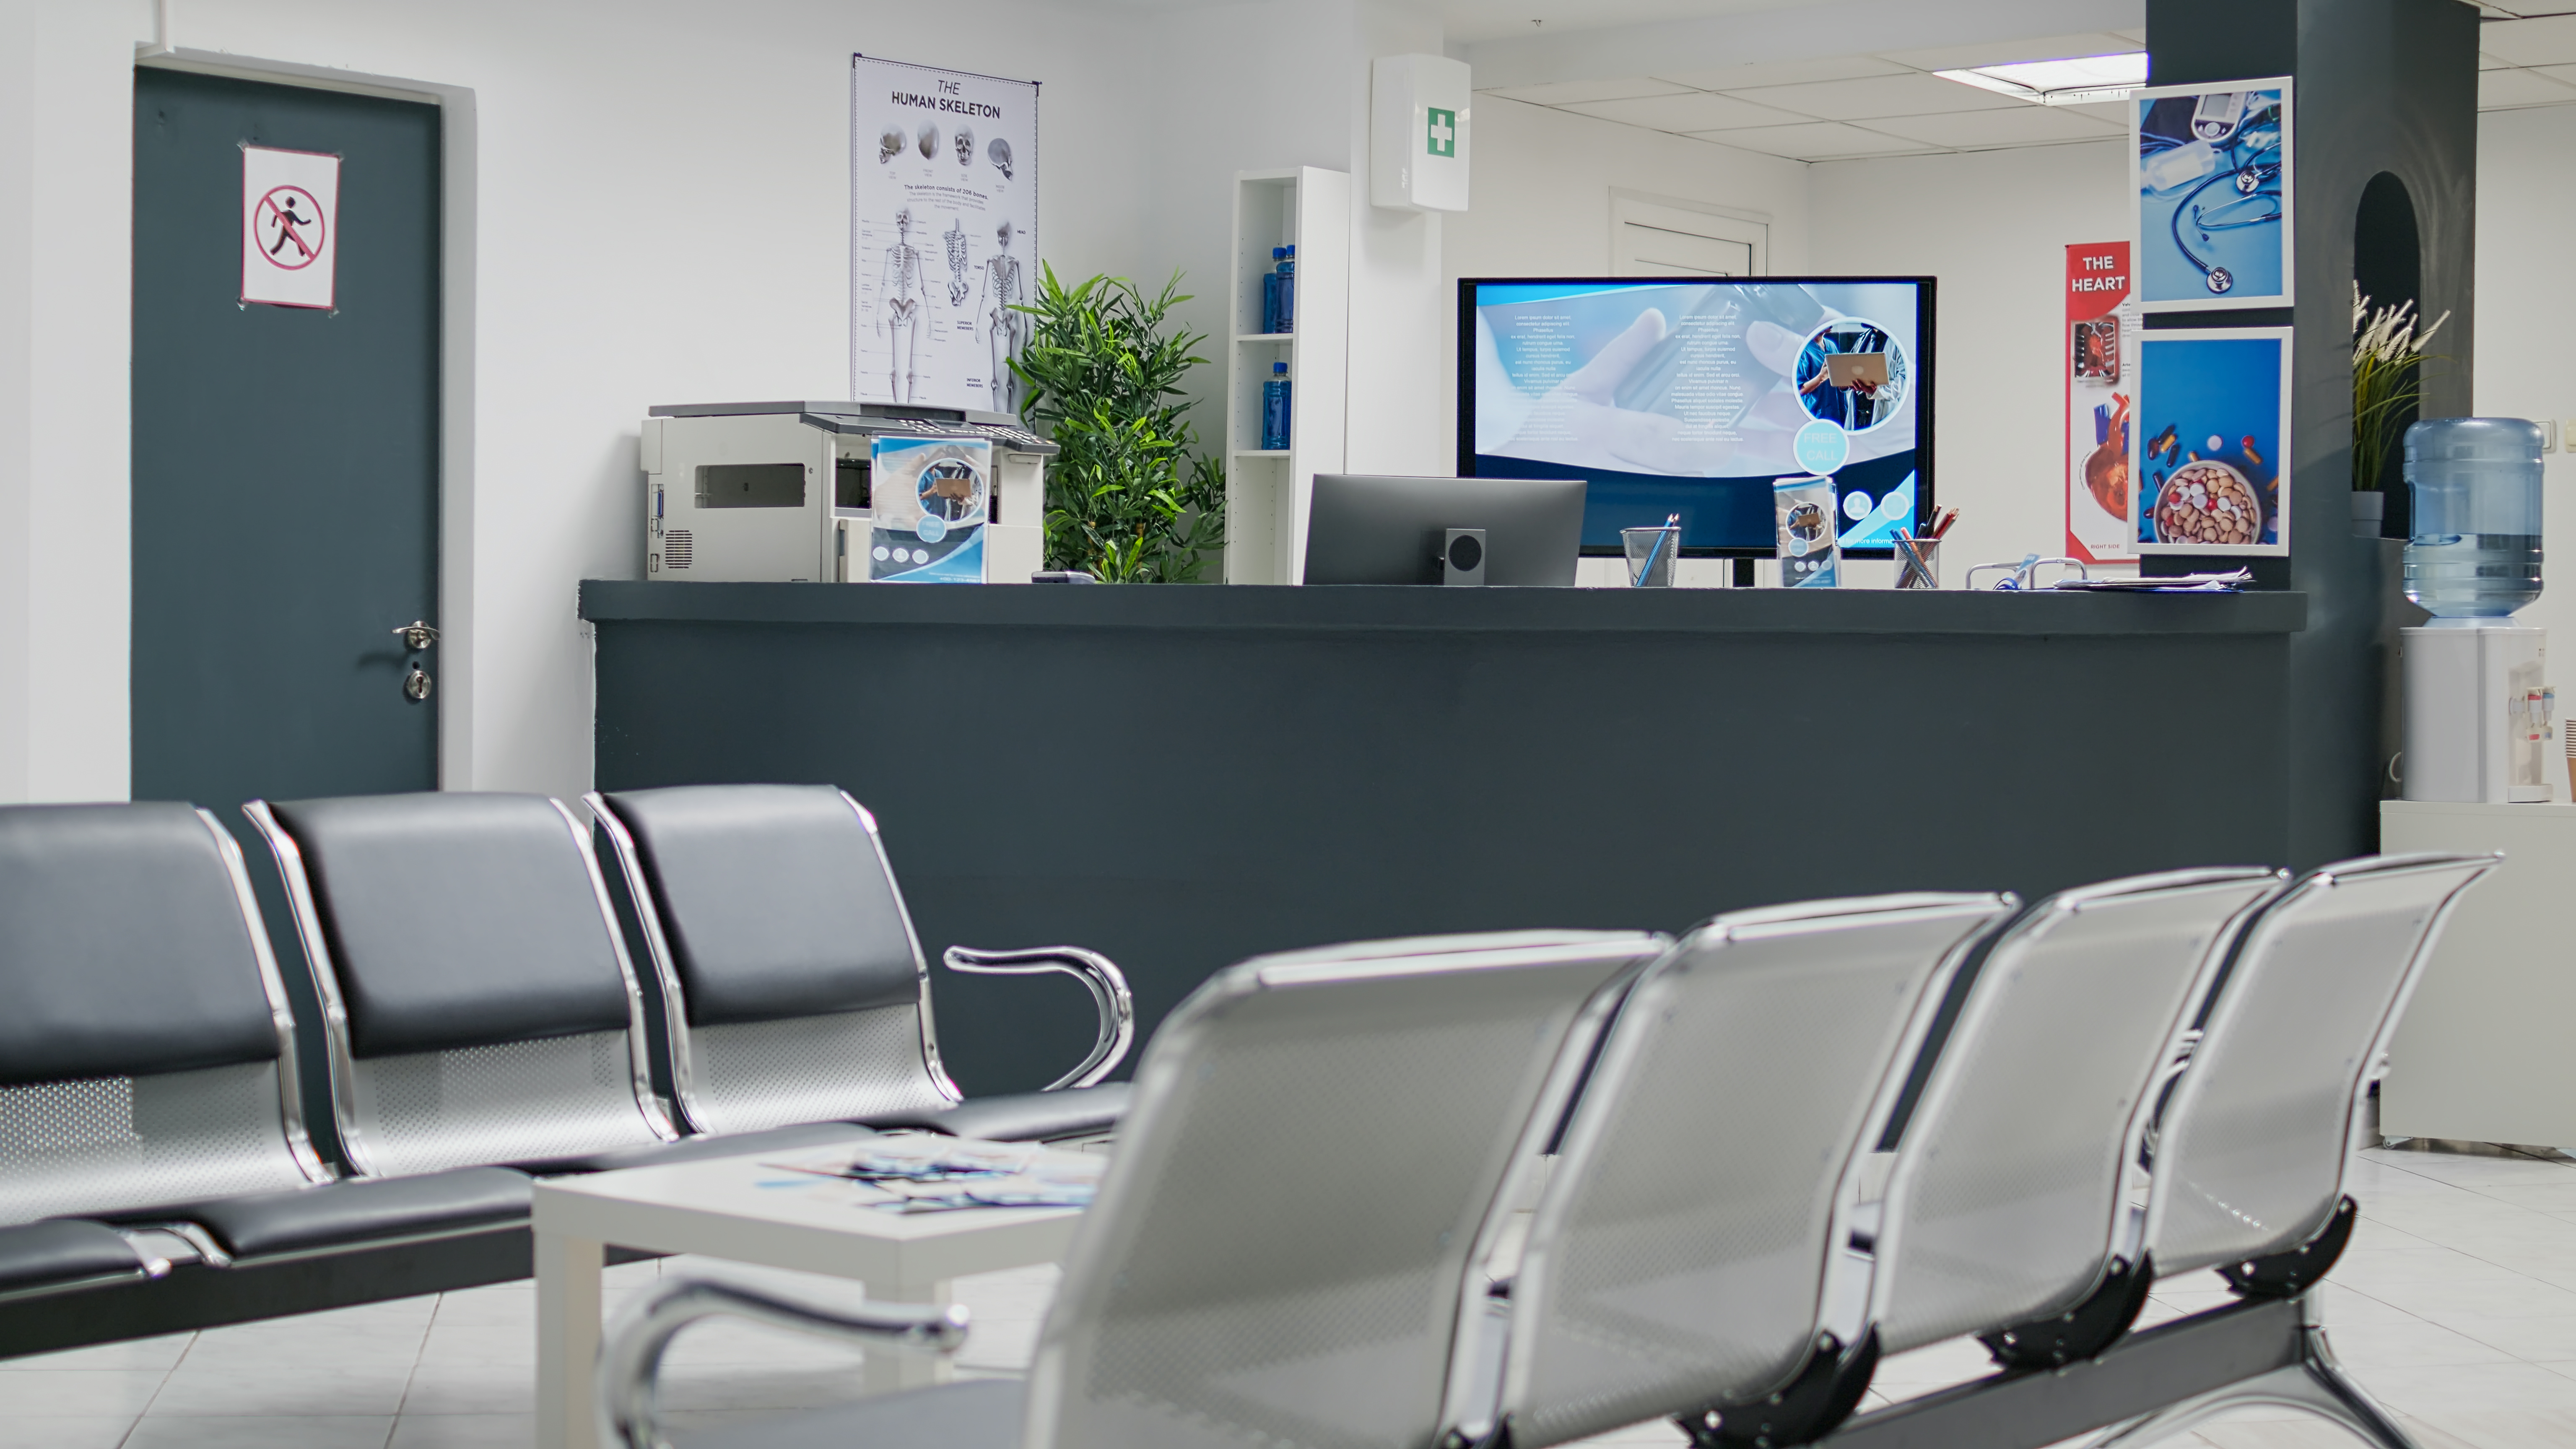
1650 240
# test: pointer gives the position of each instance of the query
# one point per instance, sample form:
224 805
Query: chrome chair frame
1097 973
335 1016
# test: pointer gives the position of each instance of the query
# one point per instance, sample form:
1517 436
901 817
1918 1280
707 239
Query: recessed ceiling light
2060 82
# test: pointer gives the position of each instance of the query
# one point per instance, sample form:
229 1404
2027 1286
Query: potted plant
1129 499
2387 384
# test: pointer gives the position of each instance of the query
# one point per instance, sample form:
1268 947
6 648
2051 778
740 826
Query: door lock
416 636
416 684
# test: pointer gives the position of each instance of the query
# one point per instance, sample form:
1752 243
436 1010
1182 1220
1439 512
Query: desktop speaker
1462 557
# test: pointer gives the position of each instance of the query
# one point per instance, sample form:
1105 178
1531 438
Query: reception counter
1182 777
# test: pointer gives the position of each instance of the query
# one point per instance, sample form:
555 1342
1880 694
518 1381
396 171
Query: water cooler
2480 714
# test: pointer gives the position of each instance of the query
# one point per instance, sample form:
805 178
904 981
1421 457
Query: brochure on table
943 233
2210 178
932 498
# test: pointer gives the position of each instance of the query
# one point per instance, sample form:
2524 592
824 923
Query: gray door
285 459
285 473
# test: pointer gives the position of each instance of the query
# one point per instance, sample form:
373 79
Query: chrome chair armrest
1108 992
630 1360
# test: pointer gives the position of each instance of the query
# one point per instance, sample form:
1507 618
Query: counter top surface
1498 610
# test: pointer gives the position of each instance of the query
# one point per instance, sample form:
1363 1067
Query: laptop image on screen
1848 368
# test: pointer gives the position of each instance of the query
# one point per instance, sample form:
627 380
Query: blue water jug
2475 482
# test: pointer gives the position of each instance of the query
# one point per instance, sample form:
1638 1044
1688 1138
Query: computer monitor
1378 530
1694 395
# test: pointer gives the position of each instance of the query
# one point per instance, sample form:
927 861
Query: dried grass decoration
2387 381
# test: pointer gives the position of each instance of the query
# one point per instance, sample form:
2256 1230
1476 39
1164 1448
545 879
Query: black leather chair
155 1171
478 1006
793 985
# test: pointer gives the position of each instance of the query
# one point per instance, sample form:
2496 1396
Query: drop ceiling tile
1687 112
2551 41
1816 141
2116 113
2501 90
1575 93
2563 74
1886 95
2007 52
1966 130
2136 37
1783 73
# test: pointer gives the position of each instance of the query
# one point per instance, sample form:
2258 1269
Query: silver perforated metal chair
148 1096
792 983
1683 1257
477 1002
2246 1175
1282 1248
2007 1212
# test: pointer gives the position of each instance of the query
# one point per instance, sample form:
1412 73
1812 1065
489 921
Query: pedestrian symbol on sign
290 227
1444 132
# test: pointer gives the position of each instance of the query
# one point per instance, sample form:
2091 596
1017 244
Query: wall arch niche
2388 267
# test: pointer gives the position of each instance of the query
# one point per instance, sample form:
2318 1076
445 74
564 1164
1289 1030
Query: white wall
2527 306
619 147
1993 226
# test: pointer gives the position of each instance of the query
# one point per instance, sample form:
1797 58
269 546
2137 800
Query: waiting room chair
1683 1256
2246 1170
792 983
1282 1247
149 1110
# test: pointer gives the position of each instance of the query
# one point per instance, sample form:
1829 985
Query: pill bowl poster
2210 432
2210 183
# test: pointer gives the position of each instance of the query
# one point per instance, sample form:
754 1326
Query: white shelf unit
1266 490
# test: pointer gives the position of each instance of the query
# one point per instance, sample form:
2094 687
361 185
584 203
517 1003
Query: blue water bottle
1274 410
1287 271
1270 291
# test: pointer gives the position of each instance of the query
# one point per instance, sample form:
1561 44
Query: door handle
417 635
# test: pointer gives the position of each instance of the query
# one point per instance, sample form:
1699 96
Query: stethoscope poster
943 234
2210 169
2211 430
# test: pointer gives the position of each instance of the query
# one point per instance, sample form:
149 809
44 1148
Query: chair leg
2316 1384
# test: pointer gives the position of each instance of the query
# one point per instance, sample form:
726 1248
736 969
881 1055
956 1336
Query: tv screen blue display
1695 395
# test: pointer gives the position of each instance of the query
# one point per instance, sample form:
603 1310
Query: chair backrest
2009 1195
793 986
1279 1253
146 1051
477 1003
1678 1255
2250 1149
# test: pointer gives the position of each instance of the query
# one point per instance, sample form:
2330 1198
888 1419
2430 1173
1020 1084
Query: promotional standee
931 502
2210 179
2100 351
943 234
2210 438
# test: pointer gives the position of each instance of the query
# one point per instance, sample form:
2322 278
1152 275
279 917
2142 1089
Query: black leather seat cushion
122 946
978 1414
695 1149
1021 1117
774 900
457 920
354 1213
56 1254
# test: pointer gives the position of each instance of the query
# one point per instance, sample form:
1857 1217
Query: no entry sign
290 226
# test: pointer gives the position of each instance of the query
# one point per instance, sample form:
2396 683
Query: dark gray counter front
1185 776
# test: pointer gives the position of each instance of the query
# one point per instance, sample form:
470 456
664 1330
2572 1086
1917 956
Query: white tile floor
2456 1306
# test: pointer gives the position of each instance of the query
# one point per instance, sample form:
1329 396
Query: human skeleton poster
943 234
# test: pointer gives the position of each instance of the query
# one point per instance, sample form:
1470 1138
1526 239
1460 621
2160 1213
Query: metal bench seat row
479 1021
1761 1156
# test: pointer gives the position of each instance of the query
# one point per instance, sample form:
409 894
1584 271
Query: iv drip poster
2210 179
933 497
2211 431
943 234
2099 350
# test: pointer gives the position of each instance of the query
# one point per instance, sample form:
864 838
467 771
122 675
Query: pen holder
1650 555
1918 563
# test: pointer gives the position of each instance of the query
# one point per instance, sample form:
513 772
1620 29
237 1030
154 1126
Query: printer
782 492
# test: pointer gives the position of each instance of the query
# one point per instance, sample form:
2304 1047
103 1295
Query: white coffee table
740 1209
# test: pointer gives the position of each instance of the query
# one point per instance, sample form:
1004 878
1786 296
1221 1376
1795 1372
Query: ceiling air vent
676 547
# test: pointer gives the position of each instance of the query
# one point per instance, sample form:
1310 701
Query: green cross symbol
1444 131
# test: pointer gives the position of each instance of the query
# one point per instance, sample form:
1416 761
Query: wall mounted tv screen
1695 395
